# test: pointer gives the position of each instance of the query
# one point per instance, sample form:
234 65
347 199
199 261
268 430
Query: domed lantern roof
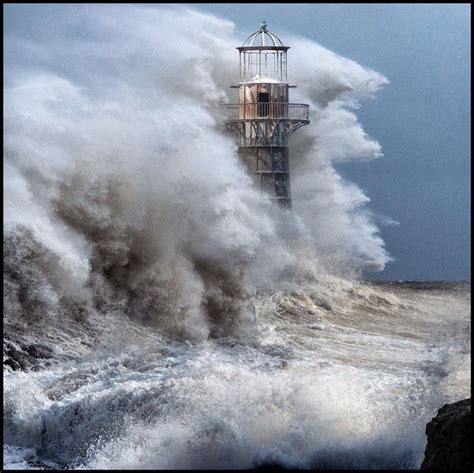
263 37
263 57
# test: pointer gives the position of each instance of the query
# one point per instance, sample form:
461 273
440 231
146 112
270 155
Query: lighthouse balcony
238 112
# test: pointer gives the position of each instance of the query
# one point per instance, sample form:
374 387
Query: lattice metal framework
263 118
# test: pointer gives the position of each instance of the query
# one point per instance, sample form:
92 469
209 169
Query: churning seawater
342 381
189 326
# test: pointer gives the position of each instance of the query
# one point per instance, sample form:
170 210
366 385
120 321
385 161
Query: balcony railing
267 110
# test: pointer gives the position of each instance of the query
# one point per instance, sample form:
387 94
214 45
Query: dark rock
16 358
14 365
39 351
449 438
21 356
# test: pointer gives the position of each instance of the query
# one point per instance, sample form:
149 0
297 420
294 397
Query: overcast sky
421 119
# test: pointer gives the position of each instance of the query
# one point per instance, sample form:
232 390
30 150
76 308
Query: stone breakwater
449 438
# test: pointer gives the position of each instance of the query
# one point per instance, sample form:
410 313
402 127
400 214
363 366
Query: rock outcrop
449 438
21 356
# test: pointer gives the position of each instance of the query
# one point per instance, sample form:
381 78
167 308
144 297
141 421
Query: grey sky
422 119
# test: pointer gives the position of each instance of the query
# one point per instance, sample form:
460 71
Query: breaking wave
163 314
119 178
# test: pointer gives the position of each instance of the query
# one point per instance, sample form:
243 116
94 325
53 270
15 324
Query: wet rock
449 438
15 357
20 356
39 351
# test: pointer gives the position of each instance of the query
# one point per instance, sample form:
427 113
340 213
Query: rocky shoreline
23 356
449 438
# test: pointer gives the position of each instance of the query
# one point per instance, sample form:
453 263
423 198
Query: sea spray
320 387
123 172
191 327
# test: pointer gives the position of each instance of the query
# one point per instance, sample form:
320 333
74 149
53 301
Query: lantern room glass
260 64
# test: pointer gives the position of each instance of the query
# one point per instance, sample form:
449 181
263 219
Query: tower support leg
270 168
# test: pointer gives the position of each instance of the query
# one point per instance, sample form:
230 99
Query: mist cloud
119 172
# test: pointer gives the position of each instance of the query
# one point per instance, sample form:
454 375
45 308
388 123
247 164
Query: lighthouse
263 118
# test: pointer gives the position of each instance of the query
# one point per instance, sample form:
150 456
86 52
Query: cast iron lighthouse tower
263 117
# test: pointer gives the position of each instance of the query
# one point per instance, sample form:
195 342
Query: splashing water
190 326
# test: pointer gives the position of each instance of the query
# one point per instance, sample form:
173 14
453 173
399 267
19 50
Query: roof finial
263 25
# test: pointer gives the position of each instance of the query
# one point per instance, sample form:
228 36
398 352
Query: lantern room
263 57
